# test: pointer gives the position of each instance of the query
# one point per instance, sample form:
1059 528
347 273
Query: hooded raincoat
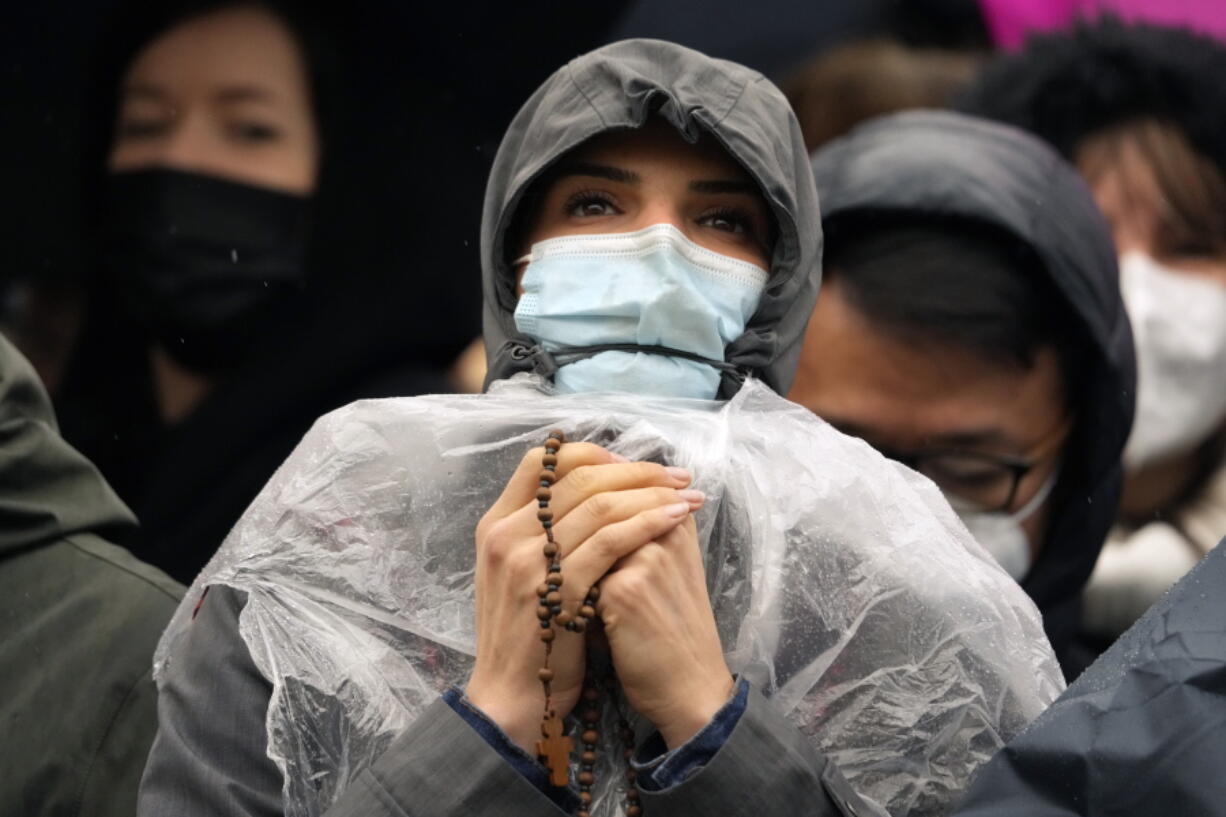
949 165
79 618
868 625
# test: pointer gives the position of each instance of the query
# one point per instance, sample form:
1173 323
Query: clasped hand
629 527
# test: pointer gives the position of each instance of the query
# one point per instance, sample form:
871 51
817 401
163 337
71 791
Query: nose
186 146
660 210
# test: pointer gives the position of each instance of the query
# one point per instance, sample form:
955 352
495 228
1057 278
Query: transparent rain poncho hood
843 585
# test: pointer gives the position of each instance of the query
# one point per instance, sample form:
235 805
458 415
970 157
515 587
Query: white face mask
1001 534
1179 327
653 290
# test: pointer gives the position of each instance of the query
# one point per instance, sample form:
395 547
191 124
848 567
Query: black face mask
200 260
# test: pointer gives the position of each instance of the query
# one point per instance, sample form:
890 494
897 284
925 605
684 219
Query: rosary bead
543 613
546 524
547 478
556 438
588 758
545 515
564 618
556 610
591 694
585 797
547 635
591 715
590 736
543 495
550 550
554 580
632 794
583 813
542 590
634 811
587 778
545 674
554 568
553 597
593 595
631 776
587 611
549 459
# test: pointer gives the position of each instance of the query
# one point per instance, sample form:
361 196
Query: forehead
232 45
658 146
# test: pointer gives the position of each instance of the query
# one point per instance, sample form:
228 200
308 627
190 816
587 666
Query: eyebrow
623 176
230 93
741 186
613 174
955 440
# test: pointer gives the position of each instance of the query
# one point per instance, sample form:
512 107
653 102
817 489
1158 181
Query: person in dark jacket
1142 731
971 327
651 255
79 618
1138 108
241 290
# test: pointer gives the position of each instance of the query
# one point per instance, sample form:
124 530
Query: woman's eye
728 221
590 205
142 128
253 132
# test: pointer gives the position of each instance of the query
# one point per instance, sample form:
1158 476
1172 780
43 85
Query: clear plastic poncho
843 585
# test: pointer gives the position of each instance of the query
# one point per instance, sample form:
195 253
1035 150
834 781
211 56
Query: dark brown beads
544 514
563 618
548 635
587 611
547 478
634 811
543 495
543 613
588 758
550 550
590 736
549 460
545 674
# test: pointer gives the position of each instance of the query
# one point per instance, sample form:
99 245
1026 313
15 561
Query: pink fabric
1010 21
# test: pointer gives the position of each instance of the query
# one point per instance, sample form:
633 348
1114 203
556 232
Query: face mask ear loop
1028 510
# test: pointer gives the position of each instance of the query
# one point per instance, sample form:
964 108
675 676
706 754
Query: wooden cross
555 750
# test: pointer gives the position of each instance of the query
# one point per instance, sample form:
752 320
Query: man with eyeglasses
970 326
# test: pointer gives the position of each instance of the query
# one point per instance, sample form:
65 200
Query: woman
649 235
1137 108
244 285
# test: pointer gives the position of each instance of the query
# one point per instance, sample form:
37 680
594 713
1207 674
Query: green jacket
79 618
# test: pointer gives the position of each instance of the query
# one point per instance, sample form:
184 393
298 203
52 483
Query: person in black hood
241 291
1138 109
972 327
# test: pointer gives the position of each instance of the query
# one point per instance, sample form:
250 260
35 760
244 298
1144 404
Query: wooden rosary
555 747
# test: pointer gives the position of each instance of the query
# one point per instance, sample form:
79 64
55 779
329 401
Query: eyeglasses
988 482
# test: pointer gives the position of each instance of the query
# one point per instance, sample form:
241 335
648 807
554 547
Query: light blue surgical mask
668 307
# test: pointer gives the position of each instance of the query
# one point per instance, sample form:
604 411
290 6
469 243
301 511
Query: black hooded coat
952 166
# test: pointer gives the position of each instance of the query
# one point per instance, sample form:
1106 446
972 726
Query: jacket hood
47 489
950 165
618 87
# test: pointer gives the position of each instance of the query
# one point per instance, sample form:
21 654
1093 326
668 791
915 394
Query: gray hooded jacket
617 88
79 618
211 751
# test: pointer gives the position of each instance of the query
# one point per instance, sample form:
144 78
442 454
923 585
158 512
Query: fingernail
677 510
692 496
613 455
679 474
